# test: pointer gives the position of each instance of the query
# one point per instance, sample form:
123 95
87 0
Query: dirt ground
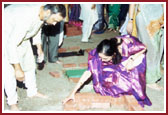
59 88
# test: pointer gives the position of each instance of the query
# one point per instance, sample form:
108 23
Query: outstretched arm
86 75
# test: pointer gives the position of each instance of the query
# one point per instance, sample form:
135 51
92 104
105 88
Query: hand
130 27
71 97
39 52
162 26
93 6
19 75
129 64
40 56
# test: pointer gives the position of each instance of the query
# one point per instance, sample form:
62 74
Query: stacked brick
71 30
85 101
68 49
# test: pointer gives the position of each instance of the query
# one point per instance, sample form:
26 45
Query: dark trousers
50 47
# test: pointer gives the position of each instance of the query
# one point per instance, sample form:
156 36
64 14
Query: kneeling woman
117 67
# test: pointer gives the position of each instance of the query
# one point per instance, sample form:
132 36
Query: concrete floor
59 88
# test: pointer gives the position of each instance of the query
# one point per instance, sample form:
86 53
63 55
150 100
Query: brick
119 101
83 65
133 103
79 28
90 100
71 30
70 106
73 33
55 74
75 80
60 50
101 105
130 99
74 48
69 65
88 50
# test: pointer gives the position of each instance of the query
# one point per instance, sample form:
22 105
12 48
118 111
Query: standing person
89 16
149 22
99 25
123 13
74 15
21 22
52 38
113 11
117 67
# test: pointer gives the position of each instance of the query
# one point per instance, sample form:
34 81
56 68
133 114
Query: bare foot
155 86
110 29
40 95
114 31
14 107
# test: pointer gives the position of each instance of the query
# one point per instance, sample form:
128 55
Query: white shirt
21 22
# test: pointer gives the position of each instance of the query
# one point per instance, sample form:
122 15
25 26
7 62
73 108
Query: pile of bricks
84 101
71 30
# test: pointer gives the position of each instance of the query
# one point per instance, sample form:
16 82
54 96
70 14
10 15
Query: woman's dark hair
56 8
110 48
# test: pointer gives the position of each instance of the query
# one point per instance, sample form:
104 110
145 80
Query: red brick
101 105
79 28
74 48
70 106
75 80
69 65
119 101
88 50
83 65
71 30
55 74
60 50
133 103
73 33
89 100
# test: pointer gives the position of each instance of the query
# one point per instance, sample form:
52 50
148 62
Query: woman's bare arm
86 75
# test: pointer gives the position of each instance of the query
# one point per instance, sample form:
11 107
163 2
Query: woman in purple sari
117 67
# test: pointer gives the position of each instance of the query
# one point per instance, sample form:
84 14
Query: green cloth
113 12
75 73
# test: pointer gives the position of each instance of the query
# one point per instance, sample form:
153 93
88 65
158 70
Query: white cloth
123 29
21 22
89 17
28 65
61 35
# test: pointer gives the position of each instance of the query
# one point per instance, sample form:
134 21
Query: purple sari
115 80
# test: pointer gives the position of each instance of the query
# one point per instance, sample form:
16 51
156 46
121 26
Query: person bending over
117 67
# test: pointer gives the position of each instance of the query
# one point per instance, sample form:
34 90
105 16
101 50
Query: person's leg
10 86
53 42
89 18
153 60
44 40
100 23
30 82
87 29
28 66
